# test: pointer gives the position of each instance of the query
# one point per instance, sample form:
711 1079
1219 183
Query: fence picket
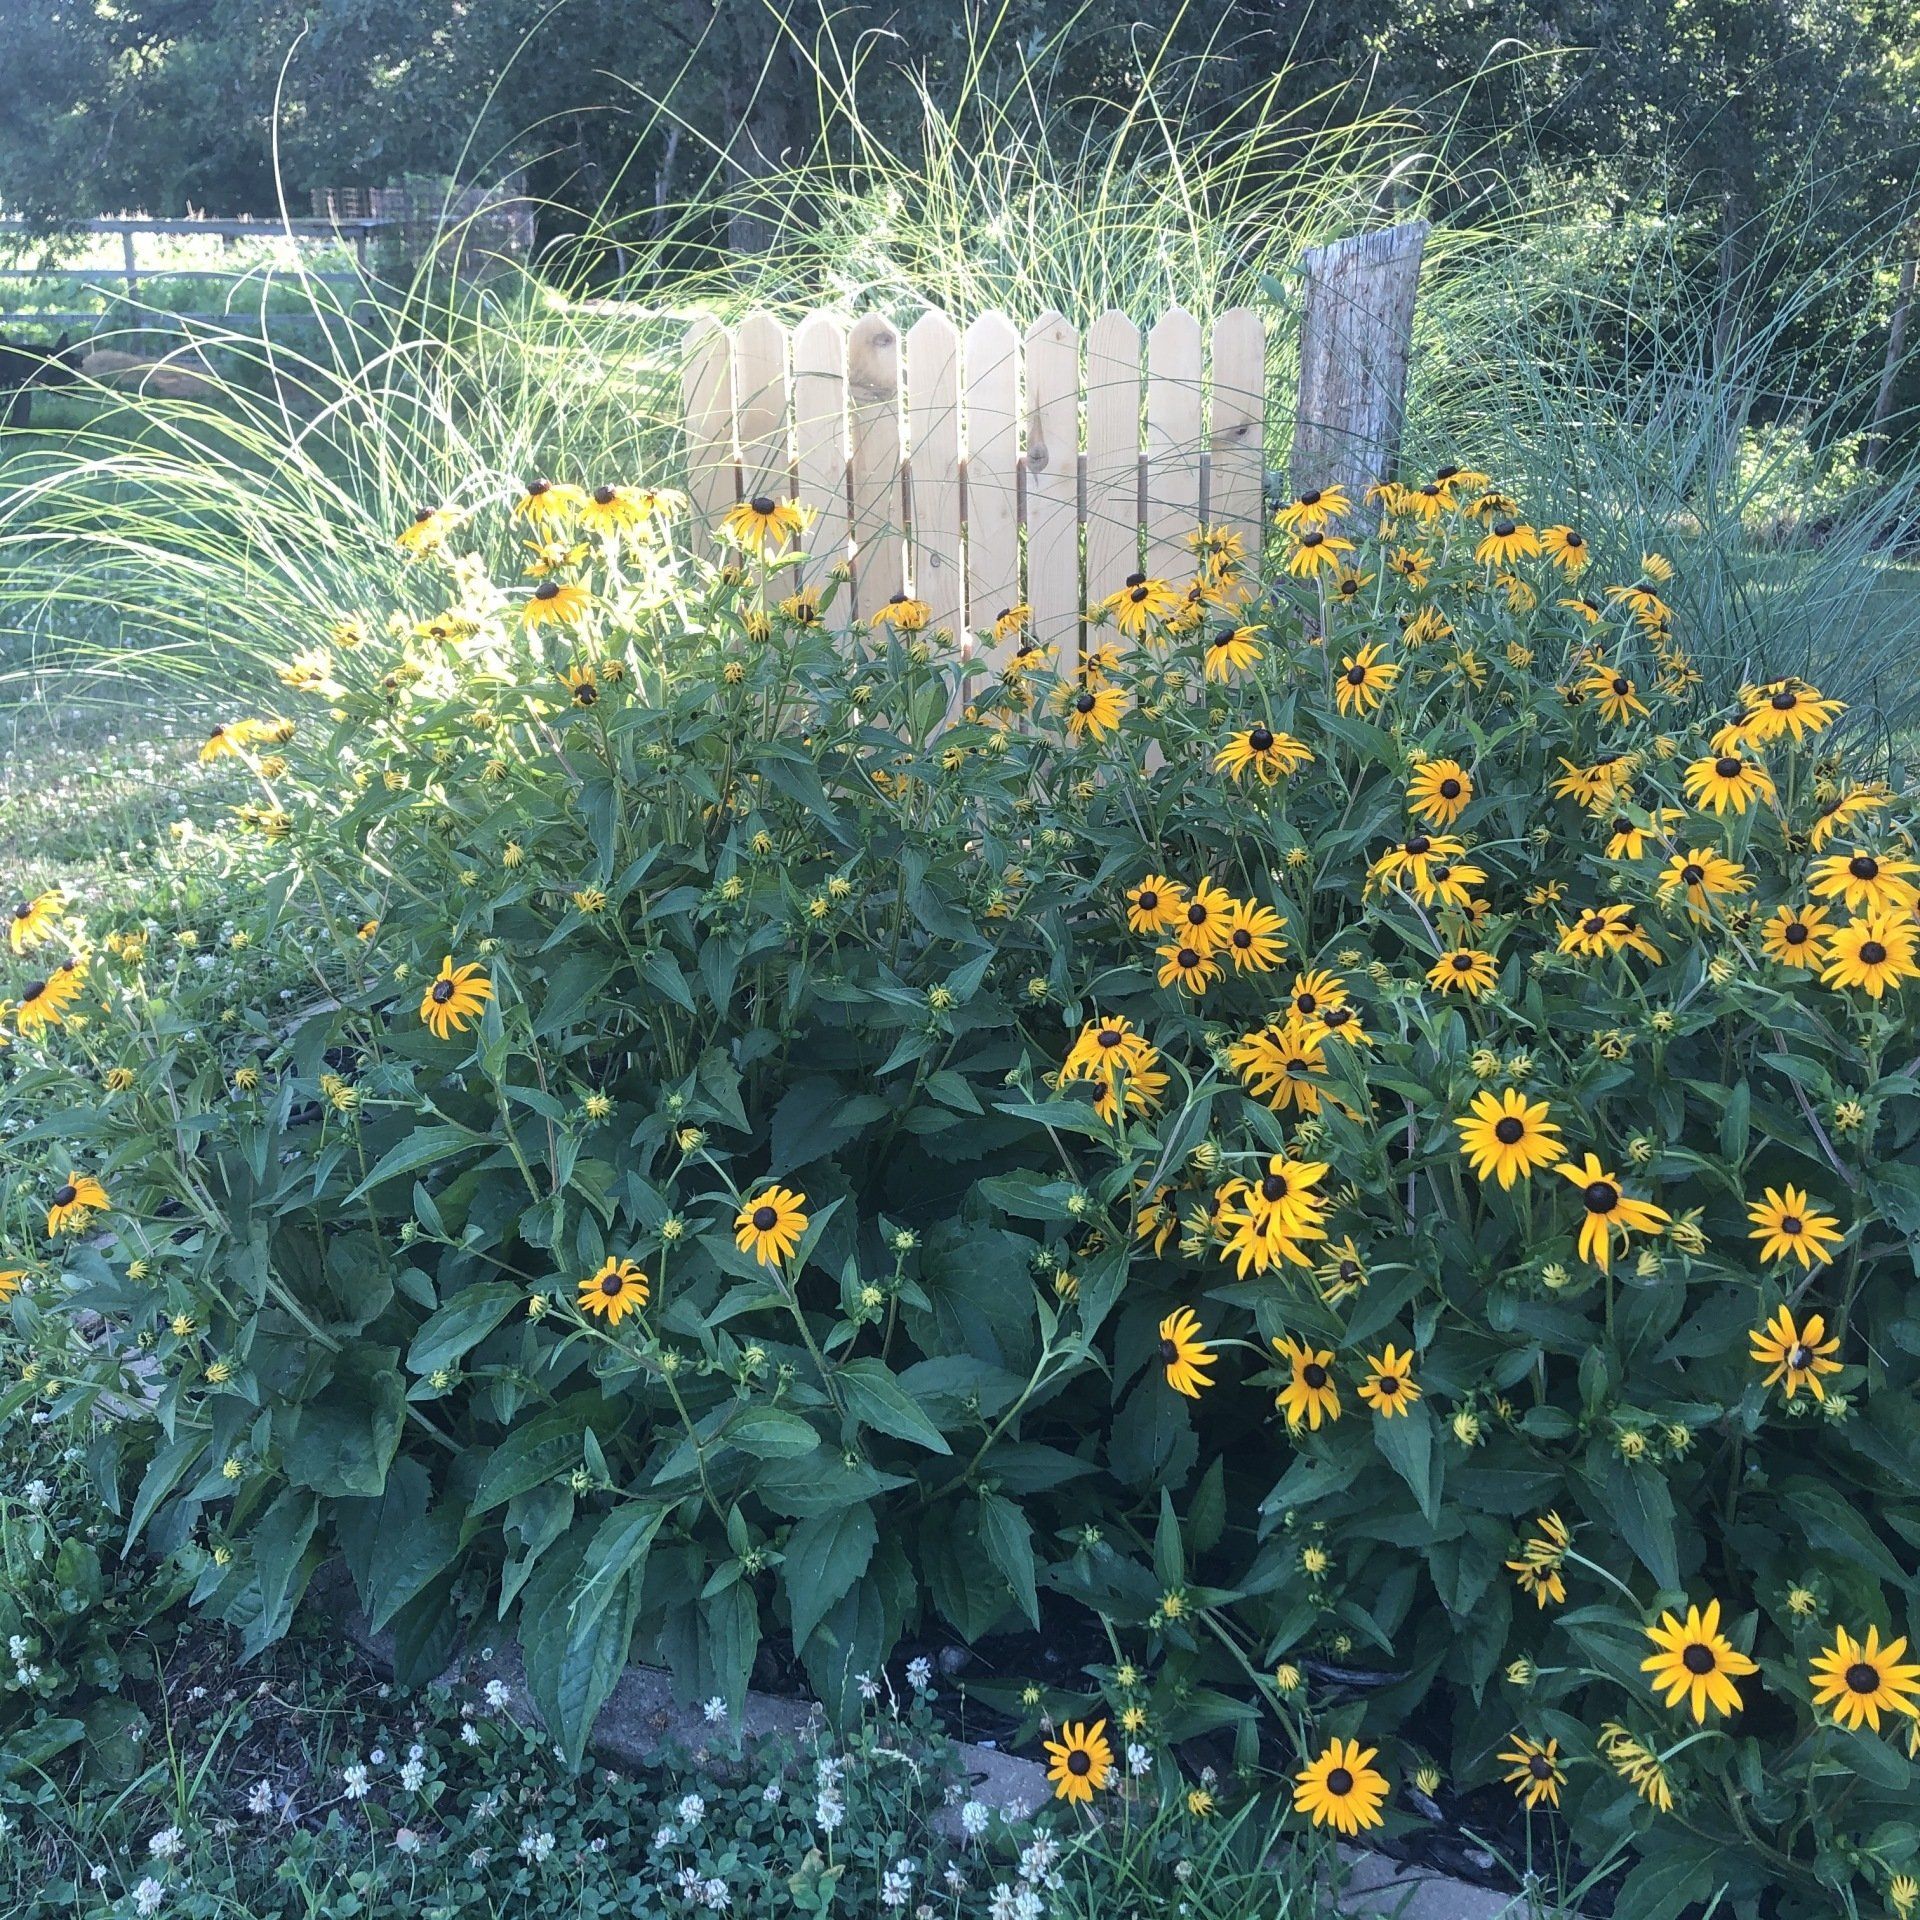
706 402
820 446
1053 486
873 391
1236 439
1112 511
760 407
933 468
991 365
1173 443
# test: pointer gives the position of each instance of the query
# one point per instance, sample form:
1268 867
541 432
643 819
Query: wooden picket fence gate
980 469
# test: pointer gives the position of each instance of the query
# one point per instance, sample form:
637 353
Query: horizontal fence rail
979 469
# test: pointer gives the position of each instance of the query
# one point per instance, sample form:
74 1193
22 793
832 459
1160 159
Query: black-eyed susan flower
1190 968
1364 680
1341 1272
763 524
1787 708
1866 883
769 1225
1410 861
1505 541
1254 937
31 920
1231 650
1314 991
1201 921
1311 1393
1411 564
1389 1387
1727 782
10 1279
1607 1210
427 531
1340 1023
1795 1356
1092 712
1534 1771
582 683
1505 1136
1284 1066
1315 552
1567 548
1595 786
1184 1355
548 504
1439 791
1637 1764
1842 810
802 608
903 613
1627 835
1699 876
1268 753
1341 1789
556 603
1873 955
1858 1680
1155 904
43 1003
1141 602
614 510
1537 1568
1080 1762
1314 508
1595 931
75 1201
234 739
1695 1662
1010 622
454 997
1615 695
1793 1227
1466 970
618 1289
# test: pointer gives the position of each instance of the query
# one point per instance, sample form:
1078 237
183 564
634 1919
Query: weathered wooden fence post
1354 339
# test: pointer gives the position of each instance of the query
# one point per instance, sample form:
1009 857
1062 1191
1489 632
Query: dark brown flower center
1356 676
1136 579
1312 538
1873 953
1349 1269
1084 704
1340 1781
612 1285
1389 1383
1503 528
1785 700
765 1219
1622 685
66 1196
1311 498
1242 939
1594 923
1791 1223
1169 1353
762 504
1693 873
34 989
1314 1374
1109 1038
603 496
1509 1129
1305 1002
1197 914
1418 846
1449 789
1601 1197
546 590
1148 900
1800 1357
1463 963
1728 768
1862 1678
1260 739
535 488
1698 1658
1274 1187
1540 1767
442 992
1080 1762
1863 866
1187 958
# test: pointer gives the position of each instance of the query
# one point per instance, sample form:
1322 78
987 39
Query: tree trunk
1878 435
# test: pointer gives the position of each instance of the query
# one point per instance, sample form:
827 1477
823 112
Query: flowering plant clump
1363 1133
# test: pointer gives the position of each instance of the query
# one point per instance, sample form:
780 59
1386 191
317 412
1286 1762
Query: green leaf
459 1326
825 1554
1642 1508
165 1471
617 1552
572 1669
342 1441
876 1399
770 1433
815 1116
423 1147
538 1450
1008 1539
1406 1443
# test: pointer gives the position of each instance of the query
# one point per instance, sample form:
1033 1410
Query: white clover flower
416 1751
18 1647
166 1843
691 1810
974 1818
869 1687
37 1494
1027 1904
413 1776
895 1888
690 1883
148 1895
771 1793
829 1811
1139 1760
378 1757
496 1695
260 1800
469 1733
536 1847
956 1881
406 1841
716 1896
355 1778
665 1837
715 1711
920 1673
